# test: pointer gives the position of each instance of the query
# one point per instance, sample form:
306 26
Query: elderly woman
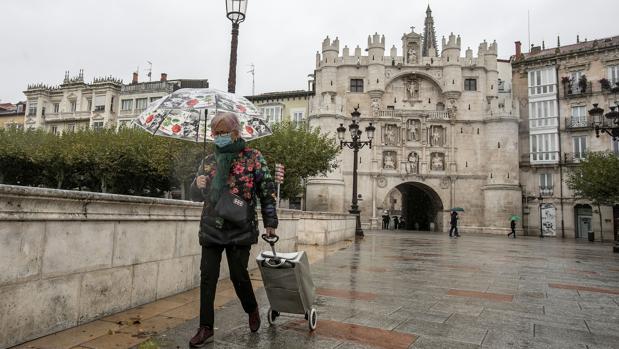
236 171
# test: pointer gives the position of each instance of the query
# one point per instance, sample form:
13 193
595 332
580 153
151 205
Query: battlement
107 79
40 86
453 42
376 41
328 45
492 49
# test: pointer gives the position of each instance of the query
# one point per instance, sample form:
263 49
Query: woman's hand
201 182
270 232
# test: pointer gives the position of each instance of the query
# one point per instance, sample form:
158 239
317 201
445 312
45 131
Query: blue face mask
223 140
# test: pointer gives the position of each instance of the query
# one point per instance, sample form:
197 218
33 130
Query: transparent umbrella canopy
186 114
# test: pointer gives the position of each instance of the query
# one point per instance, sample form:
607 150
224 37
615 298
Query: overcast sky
40 39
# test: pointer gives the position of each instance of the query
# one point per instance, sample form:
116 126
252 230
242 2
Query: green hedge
126 162
135 162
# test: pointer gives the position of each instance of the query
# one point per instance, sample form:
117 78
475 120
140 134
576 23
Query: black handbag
233 209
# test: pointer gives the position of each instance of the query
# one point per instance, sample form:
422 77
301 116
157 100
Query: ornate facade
556 88
446 131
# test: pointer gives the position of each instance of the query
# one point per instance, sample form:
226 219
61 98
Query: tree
595 179
304 151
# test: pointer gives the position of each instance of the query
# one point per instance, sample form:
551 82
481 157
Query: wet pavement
422 290
414 290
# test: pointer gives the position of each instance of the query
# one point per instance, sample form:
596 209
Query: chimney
164 77
135 78
518 49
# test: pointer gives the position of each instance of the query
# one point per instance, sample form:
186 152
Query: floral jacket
249 178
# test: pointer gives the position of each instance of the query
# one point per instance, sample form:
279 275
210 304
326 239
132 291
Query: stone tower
429 35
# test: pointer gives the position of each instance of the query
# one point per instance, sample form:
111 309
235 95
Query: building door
582 220
616 221
549 218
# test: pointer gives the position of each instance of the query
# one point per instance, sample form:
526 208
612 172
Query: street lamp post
235 10
541 226
610 127
355 145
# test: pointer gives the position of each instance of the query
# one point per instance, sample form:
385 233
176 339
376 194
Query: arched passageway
418 204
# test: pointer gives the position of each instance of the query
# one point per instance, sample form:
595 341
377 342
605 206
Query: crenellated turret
376 69
492 73
330 52
452 70
376 48
394 52
318 59
345 52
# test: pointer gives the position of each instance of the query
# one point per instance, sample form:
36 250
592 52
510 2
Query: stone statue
436 136
413 131
412 55
389 163
375 105
412 162
390 135
437 163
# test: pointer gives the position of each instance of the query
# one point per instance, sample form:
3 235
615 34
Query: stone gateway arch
446 135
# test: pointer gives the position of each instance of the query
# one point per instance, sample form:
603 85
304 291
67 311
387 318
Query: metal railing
576 122
546 190
431 114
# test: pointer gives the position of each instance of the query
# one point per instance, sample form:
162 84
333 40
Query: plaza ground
404 290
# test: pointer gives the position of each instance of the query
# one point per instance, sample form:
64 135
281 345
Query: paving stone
468 293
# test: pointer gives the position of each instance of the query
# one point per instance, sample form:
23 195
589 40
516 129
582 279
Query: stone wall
68 257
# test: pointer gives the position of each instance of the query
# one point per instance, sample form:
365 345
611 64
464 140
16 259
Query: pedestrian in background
396 222
513 227
386 219
454 224
236 171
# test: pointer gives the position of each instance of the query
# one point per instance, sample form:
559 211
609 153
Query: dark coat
454 218
251 180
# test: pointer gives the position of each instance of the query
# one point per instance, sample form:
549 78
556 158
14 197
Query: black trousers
237 256
453 228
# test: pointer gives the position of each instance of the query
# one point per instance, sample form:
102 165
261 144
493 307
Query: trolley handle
271 240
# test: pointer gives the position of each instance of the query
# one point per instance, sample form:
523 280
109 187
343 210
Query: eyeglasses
221 133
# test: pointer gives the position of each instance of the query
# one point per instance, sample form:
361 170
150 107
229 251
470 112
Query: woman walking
233 173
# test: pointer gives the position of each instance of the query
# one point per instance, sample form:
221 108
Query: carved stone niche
390 160
437 161
412 163
391 134
437 136
413 130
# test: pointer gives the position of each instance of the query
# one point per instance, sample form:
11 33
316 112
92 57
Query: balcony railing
574 90
544 157
546 190
576 122
574 158
431 114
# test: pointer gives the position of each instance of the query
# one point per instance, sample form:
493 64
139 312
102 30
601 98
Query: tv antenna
150 70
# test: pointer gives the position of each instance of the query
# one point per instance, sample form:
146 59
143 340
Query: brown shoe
204 336
254 320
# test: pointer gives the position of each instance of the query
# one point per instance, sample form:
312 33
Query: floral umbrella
186 114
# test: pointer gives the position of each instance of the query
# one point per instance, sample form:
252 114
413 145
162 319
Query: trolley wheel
313 319
272 315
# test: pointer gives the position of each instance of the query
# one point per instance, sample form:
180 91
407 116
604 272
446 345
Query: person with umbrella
454 222
512 224
241 171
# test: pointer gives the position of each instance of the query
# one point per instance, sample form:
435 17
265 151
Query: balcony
431 114
574 90
577 123
574 158
544 158
546 191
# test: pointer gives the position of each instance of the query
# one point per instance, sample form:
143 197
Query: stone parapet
69 257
